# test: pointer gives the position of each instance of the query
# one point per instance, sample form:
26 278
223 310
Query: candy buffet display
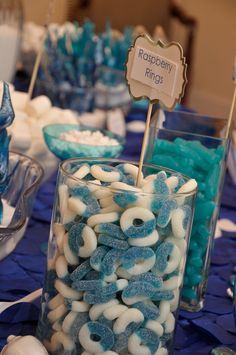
202 157
116 258
82 69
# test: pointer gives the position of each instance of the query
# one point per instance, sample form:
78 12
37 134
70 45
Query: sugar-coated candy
137 291
82 171
97 310
83 206
57 313
179 242
179 221
88 285
61 267
113 207
96 297
111 261
149 240
167 257
103 218
111 229
105 173
138 260
154 280
131 315
66 291
112 242
97 257
76 306
59 232
164 309
187 188
55 301
169 324
157 185
115 311
125 199
155 326
172 283
60 339
137 222
81 270
81 191
172 182
94 329
114 287
129 169
143 342
73 322
149 310
162 295
70 256
86 240
165 212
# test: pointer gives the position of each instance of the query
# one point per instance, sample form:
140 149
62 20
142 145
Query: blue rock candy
112 242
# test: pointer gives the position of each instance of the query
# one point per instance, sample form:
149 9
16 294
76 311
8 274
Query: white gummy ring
106 176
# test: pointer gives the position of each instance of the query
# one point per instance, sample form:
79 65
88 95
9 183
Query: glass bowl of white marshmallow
75 141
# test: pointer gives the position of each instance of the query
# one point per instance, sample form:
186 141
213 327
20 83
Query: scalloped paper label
156 71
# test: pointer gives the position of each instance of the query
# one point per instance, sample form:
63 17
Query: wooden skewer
230 114
145 138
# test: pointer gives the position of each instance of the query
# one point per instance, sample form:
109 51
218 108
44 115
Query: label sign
153 70
156 71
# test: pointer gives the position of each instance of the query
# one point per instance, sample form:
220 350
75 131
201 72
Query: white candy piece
172 283
180 243
19 100
177 219
59 339
135 347
71 258
76 205
102 218
155 326
90 242
79 306
164 311
188 187
86 341
83 171
132 170
96 138
61 267
38 106
175 301
161 351
112 208
169 323
23 345
68 321
102 192
66 291
56 301
172 182
57 313
127 317
102 175
174 260
97 310
106 201
59 232
114 312
149 240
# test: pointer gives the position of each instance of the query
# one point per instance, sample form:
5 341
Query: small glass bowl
65 149
25 175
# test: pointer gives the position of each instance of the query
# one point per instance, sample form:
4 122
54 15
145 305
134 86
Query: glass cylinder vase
116 258
194 145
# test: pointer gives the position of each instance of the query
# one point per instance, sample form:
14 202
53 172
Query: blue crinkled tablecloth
197 333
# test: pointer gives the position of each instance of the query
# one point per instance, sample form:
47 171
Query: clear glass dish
65 149
25 175
194 145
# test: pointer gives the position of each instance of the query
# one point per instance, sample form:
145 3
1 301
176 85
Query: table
197 333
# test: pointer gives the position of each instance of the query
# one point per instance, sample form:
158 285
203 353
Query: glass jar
192 144
116 257
11 18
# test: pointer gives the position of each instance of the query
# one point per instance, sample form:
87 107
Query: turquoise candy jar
191 144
